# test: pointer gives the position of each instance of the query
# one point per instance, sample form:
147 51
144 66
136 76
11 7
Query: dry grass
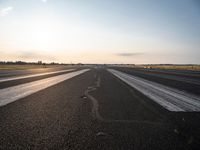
24 67
173 67
162 66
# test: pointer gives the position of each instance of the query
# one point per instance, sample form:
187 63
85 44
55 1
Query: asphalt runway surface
94 110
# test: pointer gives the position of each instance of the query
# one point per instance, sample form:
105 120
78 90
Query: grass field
162 66
25 67
173 67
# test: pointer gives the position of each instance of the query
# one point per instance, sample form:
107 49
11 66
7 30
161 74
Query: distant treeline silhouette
28 63
33 63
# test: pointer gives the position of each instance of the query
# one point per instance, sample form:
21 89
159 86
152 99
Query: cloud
128 54
44 1
5 11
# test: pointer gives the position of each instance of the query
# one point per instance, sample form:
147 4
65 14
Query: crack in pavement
95 108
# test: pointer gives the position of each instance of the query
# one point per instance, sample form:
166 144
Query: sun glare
44 34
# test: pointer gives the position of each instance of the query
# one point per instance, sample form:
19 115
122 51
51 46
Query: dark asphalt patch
117 102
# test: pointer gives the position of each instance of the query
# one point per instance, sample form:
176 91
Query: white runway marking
169 98
14 93
33 75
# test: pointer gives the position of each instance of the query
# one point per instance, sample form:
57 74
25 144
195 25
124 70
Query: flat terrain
17 70
96 110
175 67
28 66
21 67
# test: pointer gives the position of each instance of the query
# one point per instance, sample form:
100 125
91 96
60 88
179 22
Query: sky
100 31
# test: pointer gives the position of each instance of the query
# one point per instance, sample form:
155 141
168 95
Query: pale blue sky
100 31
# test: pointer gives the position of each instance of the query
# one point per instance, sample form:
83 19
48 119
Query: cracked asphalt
63 117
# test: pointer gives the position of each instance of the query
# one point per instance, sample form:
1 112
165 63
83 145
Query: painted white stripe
170 98
14 93
34 75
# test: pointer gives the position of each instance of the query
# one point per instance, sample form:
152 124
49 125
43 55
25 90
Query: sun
44 34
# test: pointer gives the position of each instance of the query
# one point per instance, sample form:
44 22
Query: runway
170 98
33 75
14 93
93 108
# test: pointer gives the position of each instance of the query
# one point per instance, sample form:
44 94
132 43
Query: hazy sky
100 31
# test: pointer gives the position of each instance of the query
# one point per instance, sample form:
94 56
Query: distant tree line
26 63
33 63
